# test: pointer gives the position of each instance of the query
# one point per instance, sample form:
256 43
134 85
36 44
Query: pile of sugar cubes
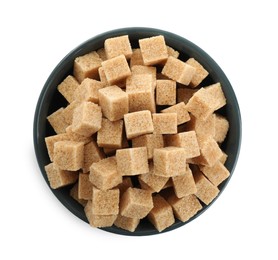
139 137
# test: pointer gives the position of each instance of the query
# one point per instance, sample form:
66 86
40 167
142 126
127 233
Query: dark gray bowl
50 100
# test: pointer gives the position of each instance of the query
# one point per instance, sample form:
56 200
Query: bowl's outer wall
50 100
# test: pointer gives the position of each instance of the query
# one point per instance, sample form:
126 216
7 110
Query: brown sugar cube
203 128
182 113
206 191
101 53
136 58
129 224
68 136
206 100
138 123
150 141
186 207
142 69
104 174
184 94
57 121
172 52
69 155
132 161
223 158
201 105
221 128
69 110
112 151
124 185
169 161
165 123
165 92
102 76
51 140
215 92
216 173
187 140
86 66
136 203
98 220
200 73
161 215
74 195
178 70
92 153
86 119
114 102
88 90
105 202
154 182
101 221
184 185
59 178
67 88
210 152
85 187
116 69
111 134
139 88
116 46
153 50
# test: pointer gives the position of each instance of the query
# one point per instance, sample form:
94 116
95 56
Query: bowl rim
81 49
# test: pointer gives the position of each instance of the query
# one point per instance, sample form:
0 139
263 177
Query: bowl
50 100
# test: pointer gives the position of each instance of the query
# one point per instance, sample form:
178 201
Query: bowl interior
50 100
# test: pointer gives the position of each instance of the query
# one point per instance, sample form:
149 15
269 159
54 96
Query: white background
241 36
